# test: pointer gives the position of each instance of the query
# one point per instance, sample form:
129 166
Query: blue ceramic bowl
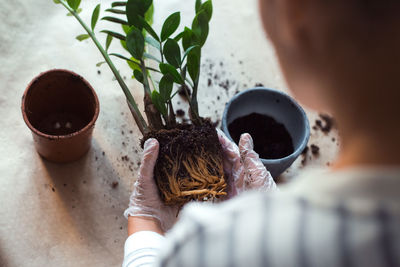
283 109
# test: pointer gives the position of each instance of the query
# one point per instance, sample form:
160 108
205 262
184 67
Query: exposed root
193 177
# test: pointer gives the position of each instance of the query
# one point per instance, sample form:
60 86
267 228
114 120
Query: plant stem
152 114
183 75
141 123
145 77
171 117
162 54
194 106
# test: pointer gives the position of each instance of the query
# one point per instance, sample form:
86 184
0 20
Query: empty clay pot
60 108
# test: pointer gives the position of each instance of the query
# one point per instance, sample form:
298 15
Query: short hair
376 10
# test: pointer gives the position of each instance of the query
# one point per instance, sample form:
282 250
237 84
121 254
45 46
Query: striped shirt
347 218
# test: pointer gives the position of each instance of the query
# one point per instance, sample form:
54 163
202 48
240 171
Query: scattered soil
114 184
189 165
98 72
325 124
180 113
225 84
315 150
259 85
271 138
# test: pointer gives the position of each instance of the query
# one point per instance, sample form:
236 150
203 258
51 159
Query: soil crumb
325 124
114 184
315 150
271 138
180 113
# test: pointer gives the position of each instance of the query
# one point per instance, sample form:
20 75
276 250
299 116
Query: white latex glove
243 167
145 200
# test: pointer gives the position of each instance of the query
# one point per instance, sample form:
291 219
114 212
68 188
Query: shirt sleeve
142 248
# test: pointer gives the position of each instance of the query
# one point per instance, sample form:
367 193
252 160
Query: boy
338 56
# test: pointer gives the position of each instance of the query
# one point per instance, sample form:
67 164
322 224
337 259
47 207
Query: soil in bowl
271 138
189 165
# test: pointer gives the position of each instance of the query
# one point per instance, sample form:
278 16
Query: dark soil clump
271 138
189 162
315 150
325 124
180 113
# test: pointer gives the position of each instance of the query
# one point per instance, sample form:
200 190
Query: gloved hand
145 200
243 167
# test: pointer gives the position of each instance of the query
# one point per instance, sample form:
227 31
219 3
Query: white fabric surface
69 215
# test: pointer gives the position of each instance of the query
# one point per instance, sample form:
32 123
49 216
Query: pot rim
58 137
304 142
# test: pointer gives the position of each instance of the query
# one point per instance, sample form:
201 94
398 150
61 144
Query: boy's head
337 51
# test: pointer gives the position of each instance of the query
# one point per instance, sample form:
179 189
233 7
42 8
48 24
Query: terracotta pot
60 108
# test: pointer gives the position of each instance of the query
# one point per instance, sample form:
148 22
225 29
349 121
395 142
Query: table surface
71 215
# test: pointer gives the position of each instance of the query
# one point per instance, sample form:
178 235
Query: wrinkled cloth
145 200
243 167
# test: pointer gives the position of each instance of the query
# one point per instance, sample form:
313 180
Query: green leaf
151 41
200 27
170 25
188 51
149 16
136 9
207 7
179 37
74 4
198 5
57 1
158 103
123 44
133 63
169 69
172 53
95 16
116 20
115 4
138 75
116 11
82 37
149 29
108 41
114 34
149 56
193 63
126 28
166 85
135 43
189 39
100 63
